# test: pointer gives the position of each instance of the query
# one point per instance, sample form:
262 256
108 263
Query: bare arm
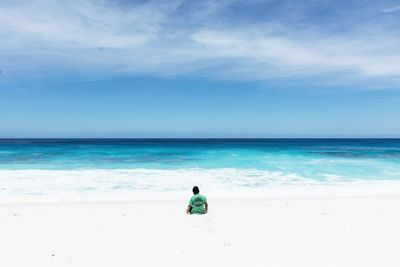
206 205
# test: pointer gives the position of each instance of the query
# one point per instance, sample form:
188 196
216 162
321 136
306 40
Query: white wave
131 184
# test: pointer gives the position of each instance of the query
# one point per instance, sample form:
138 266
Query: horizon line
187 138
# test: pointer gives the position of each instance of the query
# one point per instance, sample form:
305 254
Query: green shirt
197 203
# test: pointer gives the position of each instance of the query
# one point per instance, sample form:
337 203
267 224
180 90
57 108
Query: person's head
196 190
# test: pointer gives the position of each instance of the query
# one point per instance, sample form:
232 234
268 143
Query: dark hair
196 190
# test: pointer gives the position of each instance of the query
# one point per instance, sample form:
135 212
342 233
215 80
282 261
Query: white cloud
391 9
156 38
85 25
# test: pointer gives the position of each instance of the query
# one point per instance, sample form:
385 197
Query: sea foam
134 184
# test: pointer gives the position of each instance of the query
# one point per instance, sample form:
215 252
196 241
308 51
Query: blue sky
199 68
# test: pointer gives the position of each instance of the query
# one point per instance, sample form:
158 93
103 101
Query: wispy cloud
391 9
179 38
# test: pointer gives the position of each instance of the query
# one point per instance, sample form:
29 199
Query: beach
285 231
273 122
122 202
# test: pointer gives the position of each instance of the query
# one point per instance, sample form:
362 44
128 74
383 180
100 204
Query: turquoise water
100 169
309 158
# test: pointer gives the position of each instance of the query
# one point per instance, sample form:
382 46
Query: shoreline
298 191
184 200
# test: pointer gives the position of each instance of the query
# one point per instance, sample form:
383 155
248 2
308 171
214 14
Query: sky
229 68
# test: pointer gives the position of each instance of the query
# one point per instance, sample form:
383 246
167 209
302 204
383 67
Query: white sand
345 231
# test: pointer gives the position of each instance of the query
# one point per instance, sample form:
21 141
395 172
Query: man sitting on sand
198 203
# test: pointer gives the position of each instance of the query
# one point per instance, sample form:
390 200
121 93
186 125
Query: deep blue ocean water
35 166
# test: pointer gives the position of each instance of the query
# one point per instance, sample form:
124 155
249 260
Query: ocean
96 169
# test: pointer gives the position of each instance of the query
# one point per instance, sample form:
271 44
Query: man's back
197 203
